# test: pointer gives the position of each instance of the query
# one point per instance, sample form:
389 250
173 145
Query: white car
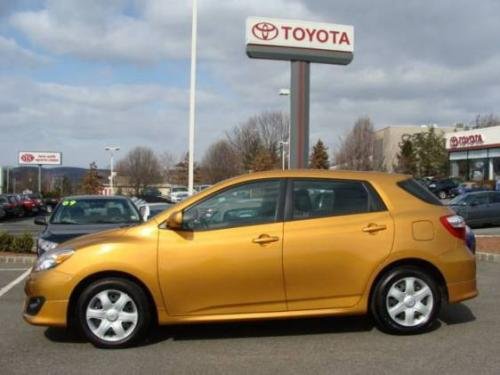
178 194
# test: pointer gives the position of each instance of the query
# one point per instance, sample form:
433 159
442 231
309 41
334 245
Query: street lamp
285 92
112 150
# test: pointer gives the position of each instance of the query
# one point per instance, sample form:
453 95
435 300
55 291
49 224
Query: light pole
283 143
112 150
285 92
192 97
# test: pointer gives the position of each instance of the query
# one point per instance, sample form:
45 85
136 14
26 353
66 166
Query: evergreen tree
407 161
92 181
319 156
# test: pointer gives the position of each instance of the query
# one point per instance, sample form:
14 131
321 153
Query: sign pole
39 179
192 98
299 114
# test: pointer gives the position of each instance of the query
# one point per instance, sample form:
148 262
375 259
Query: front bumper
47 298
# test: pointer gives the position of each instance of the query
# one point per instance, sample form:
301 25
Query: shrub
22 244
6 240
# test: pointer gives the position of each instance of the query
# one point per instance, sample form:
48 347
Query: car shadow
450 314
456 313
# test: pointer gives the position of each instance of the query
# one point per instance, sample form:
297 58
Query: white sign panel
40 158
299 34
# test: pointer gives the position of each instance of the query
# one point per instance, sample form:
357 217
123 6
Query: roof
103 197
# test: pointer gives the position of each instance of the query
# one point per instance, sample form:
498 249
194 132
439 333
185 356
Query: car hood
60 233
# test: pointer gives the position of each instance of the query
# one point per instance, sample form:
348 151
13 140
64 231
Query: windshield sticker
69 203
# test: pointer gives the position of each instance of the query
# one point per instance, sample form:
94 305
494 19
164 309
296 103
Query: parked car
79 215
466 188
29 205
177 194
11 205
152 195
50 203
2 212
470 239
157 208
442 188
345 242
478 208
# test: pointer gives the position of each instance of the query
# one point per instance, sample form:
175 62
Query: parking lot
465 341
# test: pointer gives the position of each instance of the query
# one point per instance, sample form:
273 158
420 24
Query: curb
488 257
15 259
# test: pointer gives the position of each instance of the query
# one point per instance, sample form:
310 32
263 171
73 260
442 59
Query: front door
336 233
227 259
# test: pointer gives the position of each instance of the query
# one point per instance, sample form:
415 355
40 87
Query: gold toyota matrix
263 246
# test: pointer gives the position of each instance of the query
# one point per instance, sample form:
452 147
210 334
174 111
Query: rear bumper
462 291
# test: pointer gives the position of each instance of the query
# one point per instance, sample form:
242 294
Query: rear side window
419 191
318 198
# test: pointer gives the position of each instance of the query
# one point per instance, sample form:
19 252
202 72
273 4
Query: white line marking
5 289
13 269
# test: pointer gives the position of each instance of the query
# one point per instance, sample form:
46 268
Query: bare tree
482 121
220 162
167 164
356 150
259 134
141 167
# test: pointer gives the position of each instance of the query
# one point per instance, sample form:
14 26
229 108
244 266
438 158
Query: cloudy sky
78 75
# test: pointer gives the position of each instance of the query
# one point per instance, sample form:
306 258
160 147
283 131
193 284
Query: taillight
455 224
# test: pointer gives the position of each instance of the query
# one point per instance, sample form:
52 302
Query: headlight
52 258
46 245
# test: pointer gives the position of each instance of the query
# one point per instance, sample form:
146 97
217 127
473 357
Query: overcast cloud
77 75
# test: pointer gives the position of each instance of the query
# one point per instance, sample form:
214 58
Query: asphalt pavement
20 225
465 341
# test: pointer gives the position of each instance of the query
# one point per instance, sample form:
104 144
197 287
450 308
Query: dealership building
474 154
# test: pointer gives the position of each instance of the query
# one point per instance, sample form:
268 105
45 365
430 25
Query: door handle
264 238
372 228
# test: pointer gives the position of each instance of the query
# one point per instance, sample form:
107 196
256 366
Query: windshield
85 211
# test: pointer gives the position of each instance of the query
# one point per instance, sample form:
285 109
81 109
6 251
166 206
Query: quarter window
317 198
247 204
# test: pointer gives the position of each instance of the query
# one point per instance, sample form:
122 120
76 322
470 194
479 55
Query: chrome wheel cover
111 315
410 301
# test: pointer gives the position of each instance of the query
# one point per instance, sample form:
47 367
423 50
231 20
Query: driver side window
246 204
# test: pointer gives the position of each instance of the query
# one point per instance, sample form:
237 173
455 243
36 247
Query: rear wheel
113 312
406 300
442 195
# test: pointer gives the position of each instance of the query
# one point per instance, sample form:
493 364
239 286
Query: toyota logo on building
27 158
265 31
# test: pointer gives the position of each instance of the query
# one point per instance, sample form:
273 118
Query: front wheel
113 312
406 300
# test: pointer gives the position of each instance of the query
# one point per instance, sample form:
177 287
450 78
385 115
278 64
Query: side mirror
145 212
41 220
175 220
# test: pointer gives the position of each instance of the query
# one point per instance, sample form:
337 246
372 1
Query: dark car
442 188
478 208
152 195
465 188
79 215
11 205
2 213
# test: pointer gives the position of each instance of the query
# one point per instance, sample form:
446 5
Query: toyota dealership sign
306 41
39 158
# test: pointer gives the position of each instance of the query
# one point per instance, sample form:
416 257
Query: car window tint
317 198
481 199
247 204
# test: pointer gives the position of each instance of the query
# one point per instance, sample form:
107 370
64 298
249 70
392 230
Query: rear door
336 233
478 211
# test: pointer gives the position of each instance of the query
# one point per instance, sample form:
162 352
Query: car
76 216
267 245
177 194
11 205
29 205
442 188
2 212
470 239
478 208
466 188
152 195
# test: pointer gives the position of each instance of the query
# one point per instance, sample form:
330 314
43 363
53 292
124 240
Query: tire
398 310
442 195
108 304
